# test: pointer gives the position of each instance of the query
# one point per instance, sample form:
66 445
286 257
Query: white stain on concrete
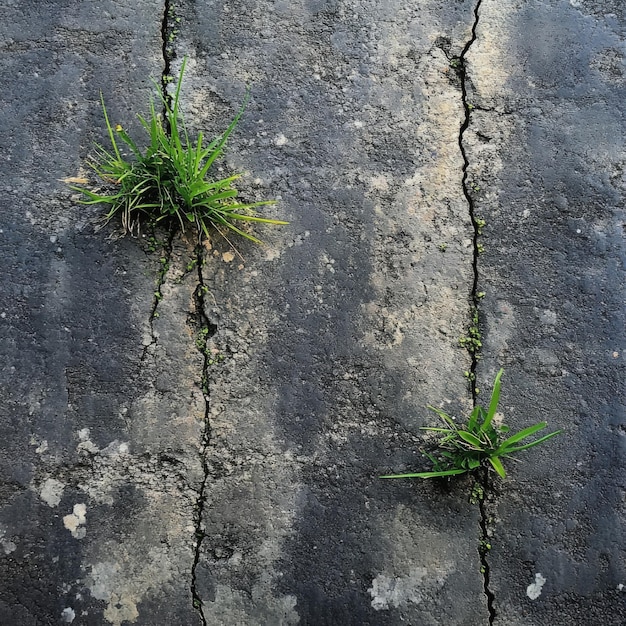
8 546
533 591
121 608
85 442
68 615
393 592
42 444
123 584
75 521
51 491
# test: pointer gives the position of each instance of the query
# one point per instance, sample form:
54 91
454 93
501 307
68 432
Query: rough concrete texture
194 437
345 324
101 413
546 147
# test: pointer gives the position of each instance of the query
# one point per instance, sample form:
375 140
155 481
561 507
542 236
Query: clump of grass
481 443
171 180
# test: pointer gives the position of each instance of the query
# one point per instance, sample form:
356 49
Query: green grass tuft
171 180
481 443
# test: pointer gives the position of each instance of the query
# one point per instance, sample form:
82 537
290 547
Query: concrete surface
148 478
552 194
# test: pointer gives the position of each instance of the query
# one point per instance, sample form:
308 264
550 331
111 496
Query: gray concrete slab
100 465
146 482
546 148
340 330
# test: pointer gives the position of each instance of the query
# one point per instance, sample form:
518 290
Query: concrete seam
167 33
158 294
209 331
474 304
167 48
462 73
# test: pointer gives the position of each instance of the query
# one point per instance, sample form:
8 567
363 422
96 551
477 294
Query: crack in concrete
462 73
485 546
158 294
208 330
167 49
475 302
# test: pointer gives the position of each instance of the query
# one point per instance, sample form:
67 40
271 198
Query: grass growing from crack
171 180
481 443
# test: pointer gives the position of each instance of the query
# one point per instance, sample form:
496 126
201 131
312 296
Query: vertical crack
164 265
206 331
167 49
485 544
461 70
472 341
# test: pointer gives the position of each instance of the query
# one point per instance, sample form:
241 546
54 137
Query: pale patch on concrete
281 140
231 606
42 445
51 492
115 448
74 522
8 546
121 609
502 327
379 182
124 584
487 58
68 615
548 317
533 591
393 592
85 443
271 254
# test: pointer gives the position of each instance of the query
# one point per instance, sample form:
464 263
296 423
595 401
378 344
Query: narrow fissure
206 328
472 341
485 545
167 49
206 331
472 347
164 265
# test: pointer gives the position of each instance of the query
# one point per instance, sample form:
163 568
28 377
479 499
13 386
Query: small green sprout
481 443
478 494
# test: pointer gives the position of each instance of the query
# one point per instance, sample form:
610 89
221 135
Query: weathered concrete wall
546 148
101 408
341 329
150 479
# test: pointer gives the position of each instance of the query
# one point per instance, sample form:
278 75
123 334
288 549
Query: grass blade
441 474
497 465
474 441
495 398
522 434
532 443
